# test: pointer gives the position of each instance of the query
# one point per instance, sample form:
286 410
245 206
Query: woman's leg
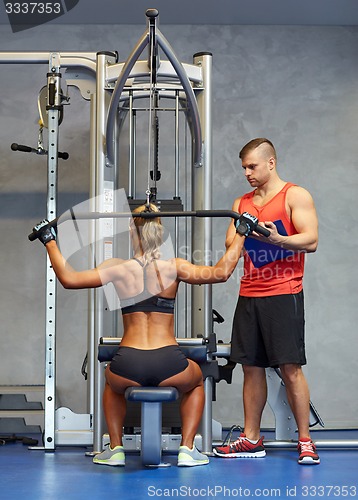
115 405
190 383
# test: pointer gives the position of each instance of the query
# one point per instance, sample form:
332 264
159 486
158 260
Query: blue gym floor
68 474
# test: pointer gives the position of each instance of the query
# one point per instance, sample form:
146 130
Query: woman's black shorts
148 367
269 331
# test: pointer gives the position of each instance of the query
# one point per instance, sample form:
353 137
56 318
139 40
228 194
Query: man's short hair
255 143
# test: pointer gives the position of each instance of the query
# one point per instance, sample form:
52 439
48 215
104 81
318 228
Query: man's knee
253 371
291 372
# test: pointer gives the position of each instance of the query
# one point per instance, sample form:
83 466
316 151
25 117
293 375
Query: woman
149 354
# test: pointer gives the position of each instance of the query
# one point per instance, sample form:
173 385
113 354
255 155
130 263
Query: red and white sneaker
307 452
241 448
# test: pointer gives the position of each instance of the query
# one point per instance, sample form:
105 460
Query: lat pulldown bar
146 215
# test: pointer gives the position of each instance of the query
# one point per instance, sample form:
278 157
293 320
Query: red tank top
269 269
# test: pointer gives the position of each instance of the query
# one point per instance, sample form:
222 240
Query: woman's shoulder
111 263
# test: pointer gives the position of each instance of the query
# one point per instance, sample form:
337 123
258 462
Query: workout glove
246 224
46 232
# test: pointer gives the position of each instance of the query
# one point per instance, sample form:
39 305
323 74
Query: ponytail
150 233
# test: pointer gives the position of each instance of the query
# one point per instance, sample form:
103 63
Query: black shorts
269 331
148 367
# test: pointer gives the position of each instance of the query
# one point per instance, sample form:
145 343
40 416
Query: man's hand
246 224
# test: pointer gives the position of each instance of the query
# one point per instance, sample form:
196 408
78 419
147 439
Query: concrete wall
294 85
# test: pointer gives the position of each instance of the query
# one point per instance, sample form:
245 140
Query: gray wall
295 85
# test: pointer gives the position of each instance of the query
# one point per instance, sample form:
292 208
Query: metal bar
111 120
145 215
204 188
153 54
181 341
165 71
131 166
91 356
192 104
176 147
125 73
103 59
68 59
321 444
54 102
176 192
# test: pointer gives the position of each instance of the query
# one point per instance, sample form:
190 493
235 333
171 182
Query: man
268 325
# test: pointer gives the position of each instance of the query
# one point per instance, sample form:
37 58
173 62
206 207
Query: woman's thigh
117 383
186 380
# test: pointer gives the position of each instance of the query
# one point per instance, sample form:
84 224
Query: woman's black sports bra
148 304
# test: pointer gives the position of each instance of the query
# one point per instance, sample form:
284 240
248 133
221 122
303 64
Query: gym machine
114 89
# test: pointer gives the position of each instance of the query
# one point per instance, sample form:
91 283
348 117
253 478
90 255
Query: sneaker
110 457
191 457
241 448
307 451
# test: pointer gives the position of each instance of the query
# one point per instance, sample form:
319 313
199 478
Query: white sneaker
111 457
191 457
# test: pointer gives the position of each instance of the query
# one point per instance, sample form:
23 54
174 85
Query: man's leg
249 443
298 396
299 399
254 396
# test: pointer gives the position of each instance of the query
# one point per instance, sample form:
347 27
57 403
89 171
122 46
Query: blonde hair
149 232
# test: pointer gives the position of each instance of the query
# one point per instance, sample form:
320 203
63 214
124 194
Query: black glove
46 232
246 224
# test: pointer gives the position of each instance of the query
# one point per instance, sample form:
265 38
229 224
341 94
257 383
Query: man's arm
304 218
218 273
231 231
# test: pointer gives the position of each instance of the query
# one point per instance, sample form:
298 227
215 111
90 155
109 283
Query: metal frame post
103 171
202 318
54 60
53 109
92 349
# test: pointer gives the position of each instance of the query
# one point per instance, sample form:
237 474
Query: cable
150 125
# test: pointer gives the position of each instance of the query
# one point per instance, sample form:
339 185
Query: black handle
262 230
152 13
63 156
51 94
230 213
21 147
27 149
217 318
